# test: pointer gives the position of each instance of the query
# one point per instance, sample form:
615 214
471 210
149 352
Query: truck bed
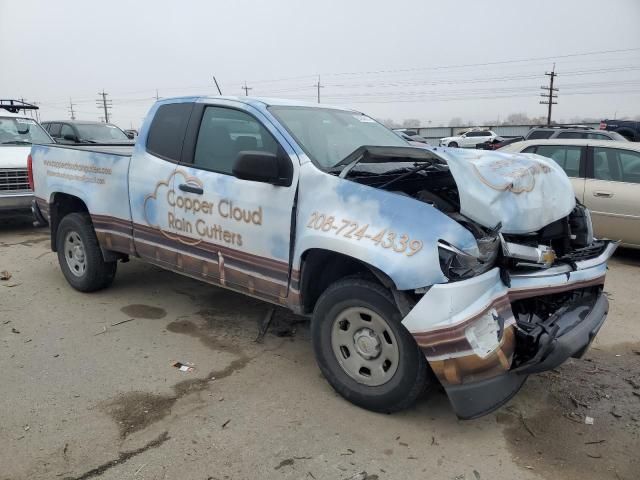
96 174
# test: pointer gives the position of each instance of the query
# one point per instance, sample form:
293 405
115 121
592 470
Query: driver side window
224 133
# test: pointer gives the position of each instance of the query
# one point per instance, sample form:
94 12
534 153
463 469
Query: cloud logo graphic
152 214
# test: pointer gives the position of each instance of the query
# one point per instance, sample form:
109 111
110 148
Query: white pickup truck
469 268
17 132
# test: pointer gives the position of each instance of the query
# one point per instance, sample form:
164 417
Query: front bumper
15 201
470 336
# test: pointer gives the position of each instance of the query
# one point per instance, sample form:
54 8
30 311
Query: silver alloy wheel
365 346
74 254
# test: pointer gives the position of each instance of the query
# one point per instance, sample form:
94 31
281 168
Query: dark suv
73 131
571 131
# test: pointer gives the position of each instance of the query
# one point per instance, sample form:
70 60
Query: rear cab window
167 131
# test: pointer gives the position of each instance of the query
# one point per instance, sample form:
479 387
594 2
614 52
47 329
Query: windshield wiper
16 142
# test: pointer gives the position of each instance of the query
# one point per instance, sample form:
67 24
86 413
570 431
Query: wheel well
63 204
321 268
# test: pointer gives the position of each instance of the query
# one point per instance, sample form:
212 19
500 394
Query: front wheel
453 145
79 254
363 349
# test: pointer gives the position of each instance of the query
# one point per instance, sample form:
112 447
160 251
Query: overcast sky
432 61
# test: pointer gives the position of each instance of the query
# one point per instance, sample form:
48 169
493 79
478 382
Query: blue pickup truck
627 128
416 265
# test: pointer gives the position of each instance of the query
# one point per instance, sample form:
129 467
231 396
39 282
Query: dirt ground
88 390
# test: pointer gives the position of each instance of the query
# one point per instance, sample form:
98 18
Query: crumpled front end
483 334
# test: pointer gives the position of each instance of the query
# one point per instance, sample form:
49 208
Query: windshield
101 133
329 135
17 131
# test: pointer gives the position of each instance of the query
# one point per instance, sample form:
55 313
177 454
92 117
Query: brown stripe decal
217 264
452 339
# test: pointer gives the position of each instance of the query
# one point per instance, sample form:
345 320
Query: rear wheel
452 144
79 254
363 349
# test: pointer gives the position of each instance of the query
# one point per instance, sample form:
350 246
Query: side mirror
129 135
71 138
263 167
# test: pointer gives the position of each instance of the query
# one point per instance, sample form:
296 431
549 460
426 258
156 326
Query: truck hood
524 192
14 156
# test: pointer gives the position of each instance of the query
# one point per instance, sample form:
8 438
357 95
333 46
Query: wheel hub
367 343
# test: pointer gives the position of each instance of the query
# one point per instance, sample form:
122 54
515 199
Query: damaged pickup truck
469 268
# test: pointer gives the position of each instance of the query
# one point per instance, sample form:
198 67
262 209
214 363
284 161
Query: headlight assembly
457 264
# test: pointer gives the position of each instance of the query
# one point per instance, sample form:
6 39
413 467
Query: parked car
627 128
408 261
75 131
17 133
411 139
410 135
571 131
605 177
498 143
469 139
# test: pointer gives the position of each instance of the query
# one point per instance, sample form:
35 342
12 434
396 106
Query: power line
318 86
246 89
549 96
104 104
71 110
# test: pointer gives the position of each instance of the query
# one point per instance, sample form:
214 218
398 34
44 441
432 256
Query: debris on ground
363 476
226 423
264 325
14 330
121 322
184 366
5 275
588 420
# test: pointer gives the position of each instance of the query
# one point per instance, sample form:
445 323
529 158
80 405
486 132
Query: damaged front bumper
484 336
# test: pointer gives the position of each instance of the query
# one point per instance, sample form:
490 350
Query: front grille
585 253
14 180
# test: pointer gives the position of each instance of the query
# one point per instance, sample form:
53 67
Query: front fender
374 226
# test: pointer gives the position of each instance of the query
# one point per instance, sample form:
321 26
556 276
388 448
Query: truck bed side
91 179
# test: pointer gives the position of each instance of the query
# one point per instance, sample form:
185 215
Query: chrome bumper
16 201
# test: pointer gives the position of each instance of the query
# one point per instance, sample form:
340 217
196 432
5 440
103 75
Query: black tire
453 145
411 374
97 274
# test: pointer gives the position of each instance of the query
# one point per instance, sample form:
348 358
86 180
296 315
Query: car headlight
457 264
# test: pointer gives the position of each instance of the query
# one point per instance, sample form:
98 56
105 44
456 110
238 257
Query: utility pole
157 96
104 104
318 86
217 86
71 111
549 96
245 88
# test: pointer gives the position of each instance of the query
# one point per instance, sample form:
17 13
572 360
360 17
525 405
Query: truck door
240 229
612 192
158 235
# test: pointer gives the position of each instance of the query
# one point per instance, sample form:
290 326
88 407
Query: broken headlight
457 264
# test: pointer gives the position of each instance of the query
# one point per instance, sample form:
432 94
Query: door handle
600 193
191 189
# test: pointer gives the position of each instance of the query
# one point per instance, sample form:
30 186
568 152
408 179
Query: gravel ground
89 390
